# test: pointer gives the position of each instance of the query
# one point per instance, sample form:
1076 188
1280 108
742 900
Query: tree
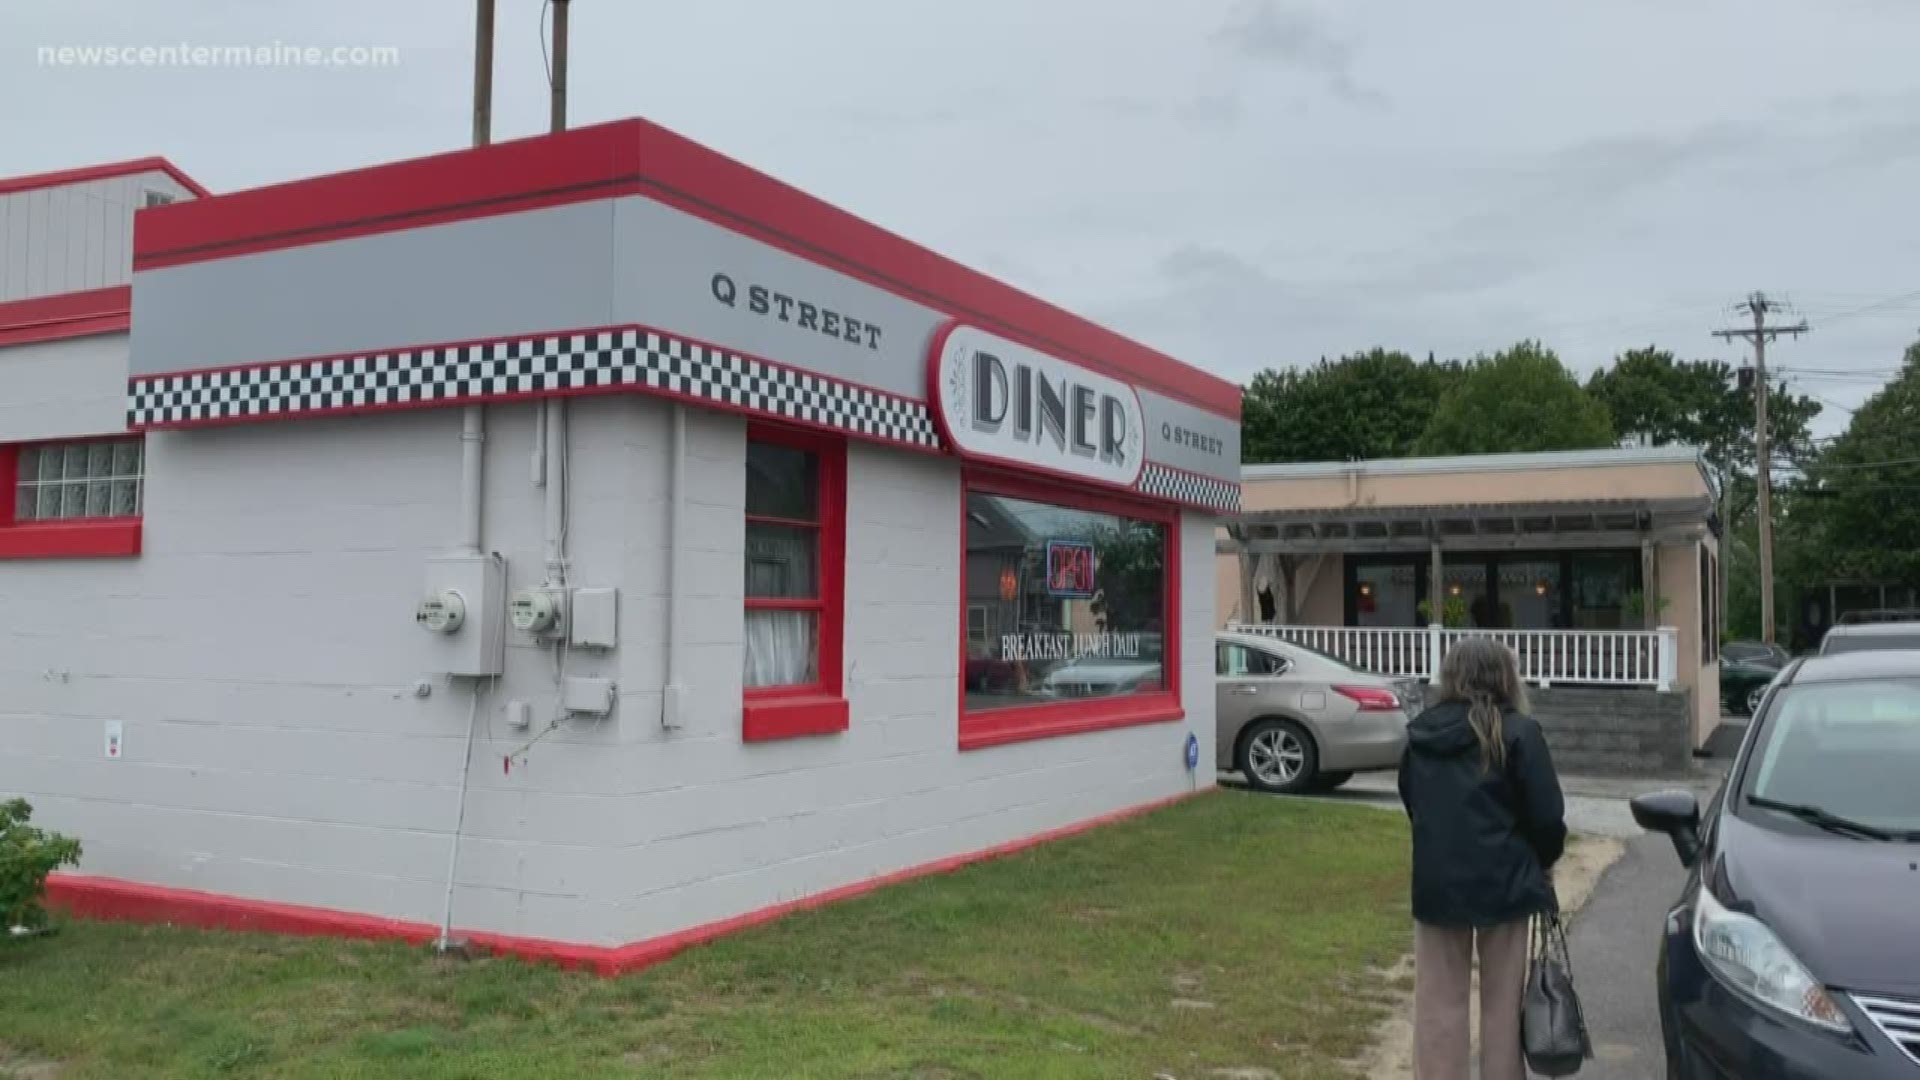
1857 514
1701 403
1367 405
1522 399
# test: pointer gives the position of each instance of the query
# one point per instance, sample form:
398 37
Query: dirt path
1391 1055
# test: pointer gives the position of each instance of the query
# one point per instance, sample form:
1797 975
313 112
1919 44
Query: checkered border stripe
1190 488
610 360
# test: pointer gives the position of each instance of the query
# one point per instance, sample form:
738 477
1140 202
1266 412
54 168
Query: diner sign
1000 401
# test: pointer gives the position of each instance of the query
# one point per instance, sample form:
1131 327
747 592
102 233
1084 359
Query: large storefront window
1066 613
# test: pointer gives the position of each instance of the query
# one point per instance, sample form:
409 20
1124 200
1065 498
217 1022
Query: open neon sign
1070 569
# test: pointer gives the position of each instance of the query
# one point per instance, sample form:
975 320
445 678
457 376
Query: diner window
76 498
795 520
1068 624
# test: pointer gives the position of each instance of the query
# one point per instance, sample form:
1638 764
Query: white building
857 562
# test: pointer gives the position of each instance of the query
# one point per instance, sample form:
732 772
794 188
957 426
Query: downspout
555 413
473 465
671 702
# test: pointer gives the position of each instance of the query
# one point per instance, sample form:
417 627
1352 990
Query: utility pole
1758 306
559 75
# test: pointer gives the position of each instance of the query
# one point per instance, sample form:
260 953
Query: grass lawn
1231 931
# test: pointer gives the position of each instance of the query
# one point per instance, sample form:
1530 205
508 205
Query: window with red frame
76 498
795 519
1068 608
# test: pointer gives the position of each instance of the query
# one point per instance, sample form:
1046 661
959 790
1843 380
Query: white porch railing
1648 658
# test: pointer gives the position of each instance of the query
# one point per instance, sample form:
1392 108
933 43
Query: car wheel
1754 697
1279 756
1327 781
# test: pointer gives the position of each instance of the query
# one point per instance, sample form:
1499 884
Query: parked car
1291 719
1880 615
1099 676
1746 667
1755 652
1857 637
1793 952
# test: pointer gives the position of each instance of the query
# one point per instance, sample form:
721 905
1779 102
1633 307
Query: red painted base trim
105 538
768 718
91 897
999 727
66 315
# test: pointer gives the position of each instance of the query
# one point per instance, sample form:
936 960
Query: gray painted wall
63 389
261 654
73 237
618 261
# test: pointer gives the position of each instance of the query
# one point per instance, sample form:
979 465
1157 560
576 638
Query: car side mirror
1676 813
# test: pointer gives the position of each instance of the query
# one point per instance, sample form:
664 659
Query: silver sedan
1291 719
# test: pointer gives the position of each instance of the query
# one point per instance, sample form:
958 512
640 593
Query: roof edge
108 170
1679 454
66 315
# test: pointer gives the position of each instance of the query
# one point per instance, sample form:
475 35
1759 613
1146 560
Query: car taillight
1369 698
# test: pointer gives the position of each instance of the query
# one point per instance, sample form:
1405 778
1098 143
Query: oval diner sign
1000 401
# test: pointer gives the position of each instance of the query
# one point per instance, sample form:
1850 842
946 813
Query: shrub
27 856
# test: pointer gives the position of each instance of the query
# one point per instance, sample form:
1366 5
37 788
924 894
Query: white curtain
781 648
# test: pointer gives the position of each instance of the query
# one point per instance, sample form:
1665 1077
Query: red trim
777 712
777 716
631 157
92 897
9 185
1021 723
66 315
85 538
1001 726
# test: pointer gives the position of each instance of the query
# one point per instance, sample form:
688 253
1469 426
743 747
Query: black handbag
1553 1032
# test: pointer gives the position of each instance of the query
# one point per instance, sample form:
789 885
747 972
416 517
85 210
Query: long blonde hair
1481 673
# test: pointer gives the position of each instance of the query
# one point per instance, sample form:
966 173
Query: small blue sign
1193 752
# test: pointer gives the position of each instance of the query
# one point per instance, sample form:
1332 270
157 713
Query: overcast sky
1242 183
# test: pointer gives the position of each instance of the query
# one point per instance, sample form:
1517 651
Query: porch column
1436 612
1650 584
1436 587
1249 606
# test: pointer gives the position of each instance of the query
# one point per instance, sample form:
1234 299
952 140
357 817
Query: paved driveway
1615 940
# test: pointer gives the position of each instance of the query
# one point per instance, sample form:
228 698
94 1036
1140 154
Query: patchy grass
1231 932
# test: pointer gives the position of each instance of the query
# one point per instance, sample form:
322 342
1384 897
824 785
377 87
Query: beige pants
1442 987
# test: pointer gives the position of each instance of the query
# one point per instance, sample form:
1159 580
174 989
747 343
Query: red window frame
69 538
1020 723
820 707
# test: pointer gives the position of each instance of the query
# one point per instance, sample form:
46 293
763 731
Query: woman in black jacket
1488 825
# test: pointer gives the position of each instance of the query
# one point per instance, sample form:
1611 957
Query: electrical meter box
474 587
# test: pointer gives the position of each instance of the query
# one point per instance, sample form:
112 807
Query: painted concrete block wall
73 236
63 389
262 657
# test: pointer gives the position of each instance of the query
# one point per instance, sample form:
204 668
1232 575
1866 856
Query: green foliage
1857 516
1699 403
1368 405
1634 604
1453 612
1523 399
27 856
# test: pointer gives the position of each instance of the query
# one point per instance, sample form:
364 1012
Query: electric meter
535 611
442 613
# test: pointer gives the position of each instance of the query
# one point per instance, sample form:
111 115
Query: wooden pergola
1293 544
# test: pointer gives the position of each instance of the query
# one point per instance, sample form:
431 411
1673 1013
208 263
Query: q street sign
999 401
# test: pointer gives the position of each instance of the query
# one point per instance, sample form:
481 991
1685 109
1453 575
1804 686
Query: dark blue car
1794 951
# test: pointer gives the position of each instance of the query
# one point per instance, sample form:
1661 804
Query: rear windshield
1851 749
1846 643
